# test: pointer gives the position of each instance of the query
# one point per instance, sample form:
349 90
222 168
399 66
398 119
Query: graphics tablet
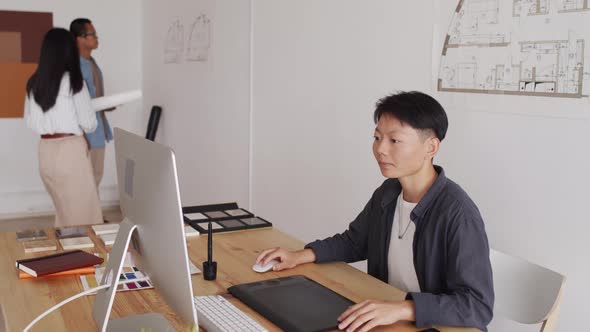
295 303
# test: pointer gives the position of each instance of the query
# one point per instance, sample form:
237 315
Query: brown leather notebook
62 261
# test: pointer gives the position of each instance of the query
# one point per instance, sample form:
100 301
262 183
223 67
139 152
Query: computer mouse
265 268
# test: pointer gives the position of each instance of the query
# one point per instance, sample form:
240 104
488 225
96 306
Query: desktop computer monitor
153 224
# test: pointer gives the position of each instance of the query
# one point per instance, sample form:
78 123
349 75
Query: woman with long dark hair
58 108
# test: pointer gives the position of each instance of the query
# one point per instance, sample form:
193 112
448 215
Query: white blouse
72 113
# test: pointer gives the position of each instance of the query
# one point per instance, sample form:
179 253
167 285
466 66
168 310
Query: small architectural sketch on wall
174 44
195 47
199 39
21 35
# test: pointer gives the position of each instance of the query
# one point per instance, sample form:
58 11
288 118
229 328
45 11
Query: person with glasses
87 41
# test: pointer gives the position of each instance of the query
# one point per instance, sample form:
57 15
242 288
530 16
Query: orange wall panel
12 88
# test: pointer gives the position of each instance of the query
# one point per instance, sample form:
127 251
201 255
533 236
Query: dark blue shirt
451 252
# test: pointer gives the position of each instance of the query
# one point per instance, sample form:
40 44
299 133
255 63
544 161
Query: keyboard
217 314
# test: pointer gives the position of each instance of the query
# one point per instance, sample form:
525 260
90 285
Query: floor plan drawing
520 47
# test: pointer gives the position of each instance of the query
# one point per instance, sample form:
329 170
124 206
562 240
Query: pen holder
209 270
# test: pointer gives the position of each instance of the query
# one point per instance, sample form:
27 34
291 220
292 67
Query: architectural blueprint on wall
520 47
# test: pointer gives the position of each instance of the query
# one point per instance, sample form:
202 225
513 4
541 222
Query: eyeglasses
90 34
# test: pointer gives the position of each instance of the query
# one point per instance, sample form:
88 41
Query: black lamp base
209 270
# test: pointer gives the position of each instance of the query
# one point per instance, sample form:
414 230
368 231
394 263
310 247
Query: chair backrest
526 292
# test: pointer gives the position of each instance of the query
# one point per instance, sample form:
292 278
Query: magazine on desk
129 273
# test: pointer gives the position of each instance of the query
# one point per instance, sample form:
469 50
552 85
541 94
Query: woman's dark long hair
59 54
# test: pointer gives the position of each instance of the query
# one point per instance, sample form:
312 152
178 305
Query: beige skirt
66 171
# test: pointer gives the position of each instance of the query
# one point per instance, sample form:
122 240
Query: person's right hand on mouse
288 259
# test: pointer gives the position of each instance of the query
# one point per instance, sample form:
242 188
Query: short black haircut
416 109
59 55
78 27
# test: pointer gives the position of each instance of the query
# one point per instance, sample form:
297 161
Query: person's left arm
469 298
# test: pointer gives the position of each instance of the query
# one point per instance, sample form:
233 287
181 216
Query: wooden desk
235 252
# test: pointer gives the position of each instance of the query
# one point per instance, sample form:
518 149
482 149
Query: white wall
318 68
206 110
118 27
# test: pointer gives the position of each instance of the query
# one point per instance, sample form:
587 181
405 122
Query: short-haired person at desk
420 232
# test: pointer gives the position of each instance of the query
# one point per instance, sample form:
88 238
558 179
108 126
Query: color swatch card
192 268
214 226
76 243
215 214
105 229
255 221
189 231
39 246
129 274
237 212
31 234
195 216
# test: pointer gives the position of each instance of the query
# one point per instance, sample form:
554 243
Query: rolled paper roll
106 102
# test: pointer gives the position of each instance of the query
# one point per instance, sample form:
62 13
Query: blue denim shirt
103 133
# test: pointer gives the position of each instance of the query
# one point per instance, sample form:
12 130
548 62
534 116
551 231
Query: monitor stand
105 297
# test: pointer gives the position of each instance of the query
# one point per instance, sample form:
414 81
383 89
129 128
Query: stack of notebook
63 263
106 232
35 240
74 238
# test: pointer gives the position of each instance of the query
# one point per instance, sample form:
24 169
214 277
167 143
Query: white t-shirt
400 262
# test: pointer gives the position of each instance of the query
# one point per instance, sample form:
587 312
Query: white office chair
525 292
